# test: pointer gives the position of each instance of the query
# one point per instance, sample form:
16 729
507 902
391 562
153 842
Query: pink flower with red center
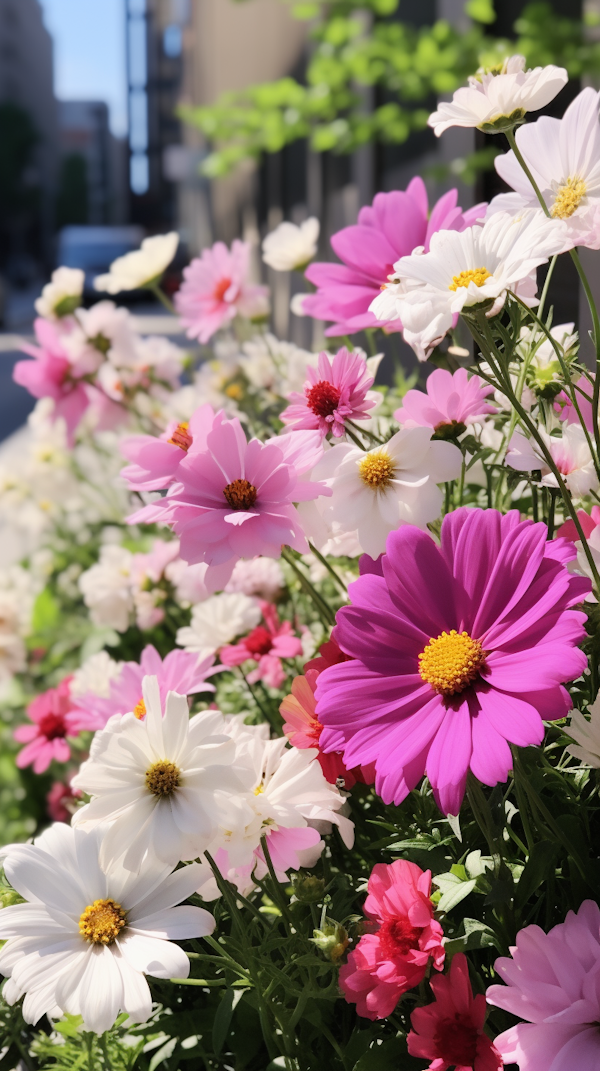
457 650
336 390
53 375
588 521
392 227
449 1032
450 402
266 645
236 499
54 718
216 289
553 981
155 461
181 671
395 957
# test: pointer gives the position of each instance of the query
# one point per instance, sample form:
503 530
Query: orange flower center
451 661
102 922
140 709
241 494
181 437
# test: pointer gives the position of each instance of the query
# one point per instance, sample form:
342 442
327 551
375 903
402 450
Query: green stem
278 894
325 612
512 141
596 326
330 569
162 297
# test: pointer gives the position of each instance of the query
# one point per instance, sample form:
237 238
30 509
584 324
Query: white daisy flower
164 781
373 492
463 270
289 246
86 936
570 453
219 620
563 156
586 735
62 295
497 100
140 268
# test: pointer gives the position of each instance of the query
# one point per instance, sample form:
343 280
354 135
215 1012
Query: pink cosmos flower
236 498
458 650
336 390
405 939
216 289
155 461
392 227
180 671
448 404
563 403
266 645
587 521
449 1032
52 375
553 981
54 718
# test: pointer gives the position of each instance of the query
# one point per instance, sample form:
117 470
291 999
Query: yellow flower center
568 198
451 662
102 922
181 437
140 709
473 275
376 469
163 778
258 791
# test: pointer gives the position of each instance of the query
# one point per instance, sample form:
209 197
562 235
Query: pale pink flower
266 645
58 799
147 571
155 461
449 400
54 717
262 577
570 453
553 982
52 375
216 289
336 390
183 672
236 498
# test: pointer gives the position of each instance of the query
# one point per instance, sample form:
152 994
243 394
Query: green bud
332 940
67 305
504 122
308 888
8 897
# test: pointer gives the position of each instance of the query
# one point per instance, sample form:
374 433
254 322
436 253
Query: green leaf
476 935
453 888
536 870
481 10
46 612
223 1017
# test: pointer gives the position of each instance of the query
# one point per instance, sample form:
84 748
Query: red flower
54 718
56 801
449 1032
267 644
393 959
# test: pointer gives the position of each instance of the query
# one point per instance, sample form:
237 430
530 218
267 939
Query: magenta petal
449 757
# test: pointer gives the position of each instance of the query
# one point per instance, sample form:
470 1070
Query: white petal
176 923
152 956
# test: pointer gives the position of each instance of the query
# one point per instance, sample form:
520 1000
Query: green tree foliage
355 47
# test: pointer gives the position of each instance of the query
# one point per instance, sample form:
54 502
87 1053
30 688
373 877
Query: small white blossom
586 735
262 577
289 246
62 295
140 268
495 101
95 675
219 620
106 588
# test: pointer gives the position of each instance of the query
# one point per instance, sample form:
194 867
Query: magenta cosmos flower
54 718
336 390
235 499
52 375
392 227
180 671
450 402
553 981
266 645
449 1032
458 650
406 939
155 461
215 289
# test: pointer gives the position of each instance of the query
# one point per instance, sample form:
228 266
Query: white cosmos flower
374 492
570 453
563 156
219 620
586 735
163 781
62 295
463 270
140 268
86 937
95 675
496 100
107 588
289 246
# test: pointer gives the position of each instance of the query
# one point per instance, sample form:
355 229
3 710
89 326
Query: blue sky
89 53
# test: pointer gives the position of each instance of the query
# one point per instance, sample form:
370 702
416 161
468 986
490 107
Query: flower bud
332 940
308 888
